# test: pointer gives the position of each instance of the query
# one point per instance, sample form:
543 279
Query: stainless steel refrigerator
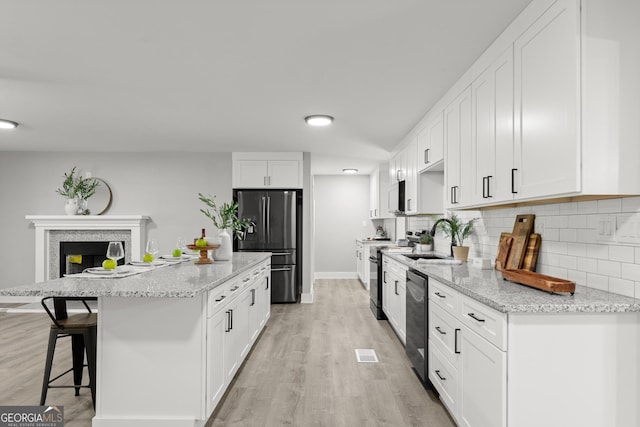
277 219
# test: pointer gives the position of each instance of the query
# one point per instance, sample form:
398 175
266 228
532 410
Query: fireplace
52 230
76 256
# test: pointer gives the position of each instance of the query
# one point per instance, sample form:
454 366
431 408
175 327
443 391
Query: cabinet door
431 142
386 283
249 173
411 178
492 132
241 325
284 174
483 391
264 286
230 347
402 311
254 312
374 189
458 150
547 82
215 359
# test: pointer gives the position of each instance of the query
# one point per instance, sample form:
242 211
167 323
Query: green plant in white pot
425 243
226 220
458 229
77 190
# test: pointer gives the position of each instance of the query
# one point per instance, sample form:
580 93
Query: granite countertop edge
489 288
184 280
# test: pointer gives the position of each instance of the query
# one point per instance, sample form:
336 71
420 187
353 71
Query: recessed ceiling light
350 171
319 120
7 124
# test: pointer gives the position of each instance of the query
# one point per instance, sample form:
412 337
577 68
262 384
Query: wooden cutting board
522 228
531 253
504 246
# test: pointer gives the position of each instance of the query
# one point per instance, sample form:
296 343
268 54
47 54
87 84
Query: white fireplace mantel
44 224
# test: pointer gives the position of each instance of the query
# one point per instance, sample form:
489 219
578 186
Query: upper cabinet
431 141
547 104
457 119
378 184
267 170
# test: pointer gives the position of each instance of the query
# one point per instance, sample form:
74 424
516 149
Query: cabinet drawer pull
439 295
426 156
440 330
455 341
235 288
246 280
221 298
474 317
440 376
396 289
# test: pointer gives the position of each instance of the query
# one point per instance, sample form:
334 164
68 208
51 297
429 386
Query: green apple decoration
200 243
176 253
108 264
147 257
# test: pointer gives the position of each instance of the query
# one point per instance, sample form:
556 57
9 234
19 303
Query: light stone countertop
183 280
489 288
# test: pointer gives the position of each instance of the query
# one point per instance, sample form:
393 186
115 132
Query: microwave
396 198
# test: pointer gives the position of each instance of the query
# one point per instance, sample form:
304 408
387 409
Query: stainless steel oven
375 281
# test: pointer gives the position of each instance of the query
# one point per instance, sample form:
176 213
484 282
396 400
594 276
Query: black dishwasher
418 324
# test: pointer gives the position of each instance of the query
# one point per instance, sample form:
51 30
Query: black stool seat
82 329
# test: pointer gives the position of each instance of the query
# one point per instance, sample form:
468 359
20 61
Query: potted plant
226 220
77 190
425 243
458 229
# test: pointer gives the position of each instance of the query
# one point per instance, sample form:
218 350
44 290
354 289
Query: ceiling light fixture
319 120
7 124
350 171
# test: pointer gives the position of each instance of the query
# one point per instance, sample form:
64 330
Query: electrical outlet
606 228
629 230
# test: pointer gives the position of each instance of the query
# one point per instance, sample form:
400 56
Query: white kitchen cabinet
267 170
492 150
379 187
360 261
547 104
467 346
236 314
430 140
457 117
411 202
394 280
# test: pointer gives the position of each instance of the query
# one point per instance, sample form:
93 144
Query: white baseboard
306 298
22 299
335 275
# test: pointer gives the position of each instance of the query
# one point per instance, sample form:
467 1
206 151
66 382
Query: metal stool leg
77 353
90 345
53 336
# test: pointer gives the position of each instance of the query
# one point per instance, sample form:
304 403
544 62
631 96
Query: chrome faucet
433 232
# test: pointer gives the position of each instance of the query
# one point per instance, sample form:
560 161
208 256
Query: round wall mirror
101 200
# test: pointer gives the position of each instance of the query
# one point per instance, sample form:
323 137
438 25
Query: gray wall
161 185
341 212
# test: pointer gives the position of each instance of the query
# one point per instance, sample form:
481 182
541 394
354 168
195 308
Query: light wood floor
302 371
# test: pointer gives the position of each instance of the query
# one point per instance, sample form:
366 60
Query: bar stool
82 329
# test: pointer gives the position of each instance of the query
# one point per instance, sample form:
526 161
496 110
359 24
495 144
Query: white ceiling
234 75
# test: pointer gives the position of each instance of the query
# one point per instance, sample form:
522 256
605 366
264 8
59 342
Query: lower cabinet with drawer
467 357
531 369
237 312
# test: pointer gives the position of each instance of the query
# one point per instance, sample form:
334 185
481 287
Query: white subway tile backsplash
598 281
630 272
622 287
621 253
598 251
589 207
577 249
631 204
570 246
609 205
568 235
587 265
609 268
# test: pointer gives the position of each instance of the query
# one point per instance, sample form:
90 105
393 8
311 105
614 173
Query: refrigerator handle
268 216
264 218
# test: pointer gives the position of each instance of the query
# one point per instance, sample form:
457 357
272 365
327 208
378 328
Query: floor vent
366 355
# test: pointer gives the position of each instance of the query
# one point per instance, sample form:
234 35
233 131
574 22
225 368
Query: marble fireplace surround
50 230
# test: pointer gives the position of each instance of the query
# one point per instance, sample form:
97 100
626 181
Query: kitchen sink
425 256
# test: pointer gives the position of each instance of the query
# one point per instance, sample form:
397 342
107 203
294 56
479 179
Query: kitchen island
504 354
170 340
